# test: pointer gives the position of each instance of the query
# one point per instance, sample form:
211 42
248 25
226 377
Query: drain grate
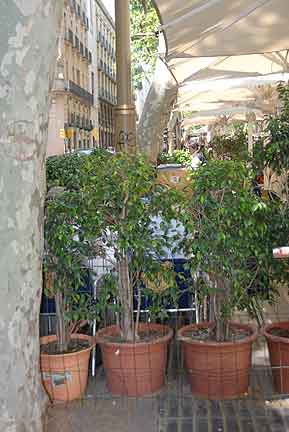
186 414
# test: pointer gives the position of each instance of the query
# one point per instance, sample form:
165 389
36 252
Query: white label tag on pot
58 378
175 179
281 252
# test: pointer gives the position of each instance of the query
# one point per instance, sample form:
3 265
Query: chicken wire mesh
171 406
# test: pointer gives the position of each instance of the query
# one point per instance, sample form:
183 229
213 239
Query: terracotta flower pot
218 370
135 369
64 376
279 356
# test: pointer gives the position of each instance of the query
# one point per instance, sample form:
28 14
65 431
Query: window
66 70
92 83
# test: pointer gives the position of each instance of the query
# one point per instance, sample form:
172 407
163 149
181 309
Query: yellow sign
61 133
95 133
69 133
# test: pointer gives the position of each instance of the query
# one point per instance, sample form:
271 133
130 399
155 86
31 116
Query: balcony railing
79 92
75 120
107 96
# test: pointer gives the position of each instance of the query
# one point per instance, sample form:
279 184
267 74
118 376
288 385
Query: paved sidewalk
175 409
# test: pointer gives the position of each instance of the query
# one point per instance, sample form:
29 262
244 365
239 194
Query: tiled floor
175 409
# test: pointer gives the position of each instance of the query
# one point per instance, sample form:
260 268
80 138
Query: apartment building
106 74
84 88
73 109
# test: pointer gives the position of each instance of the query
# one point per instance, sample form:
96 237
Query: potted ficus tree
272 157
227 237
65 356
126 200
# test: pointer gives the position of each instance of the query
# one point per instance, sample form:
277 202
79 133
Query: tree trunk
221 297
28 34
62 333
156 111
126 298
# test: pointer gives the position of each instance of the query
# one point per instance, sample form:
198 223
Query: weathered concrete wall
28 33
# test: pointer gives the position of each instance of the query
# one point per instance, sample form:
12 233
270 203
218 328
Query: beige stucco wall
56 123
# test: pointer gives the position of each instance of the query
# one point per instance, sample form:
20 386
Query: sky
109 4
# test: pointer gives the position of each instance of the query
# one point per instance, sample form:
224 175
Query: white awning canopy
193 95
220 50
207 117
220 68
215 28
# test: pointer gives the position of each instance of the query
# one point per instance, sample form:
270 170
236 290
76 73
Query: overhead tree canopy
144 25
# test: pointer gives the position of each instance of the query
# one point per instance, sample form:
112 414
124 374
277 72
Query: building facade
84 88
106 74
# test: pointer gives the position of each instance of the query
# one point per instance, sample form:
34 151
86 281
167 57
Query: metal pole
125 114
251 118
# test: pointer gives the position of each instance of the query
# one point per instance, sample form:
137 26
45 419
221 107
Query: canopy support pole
251 118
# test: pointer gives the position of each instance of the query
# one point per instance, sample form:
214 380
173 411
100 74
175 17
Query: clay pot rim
162 339
280 324
214 344
52 338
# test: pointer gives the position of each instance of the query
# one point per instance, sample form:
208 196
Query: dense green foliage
107 203
144 26
272 150
124 197
230 147
182 157
231 233
65 255
70 171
